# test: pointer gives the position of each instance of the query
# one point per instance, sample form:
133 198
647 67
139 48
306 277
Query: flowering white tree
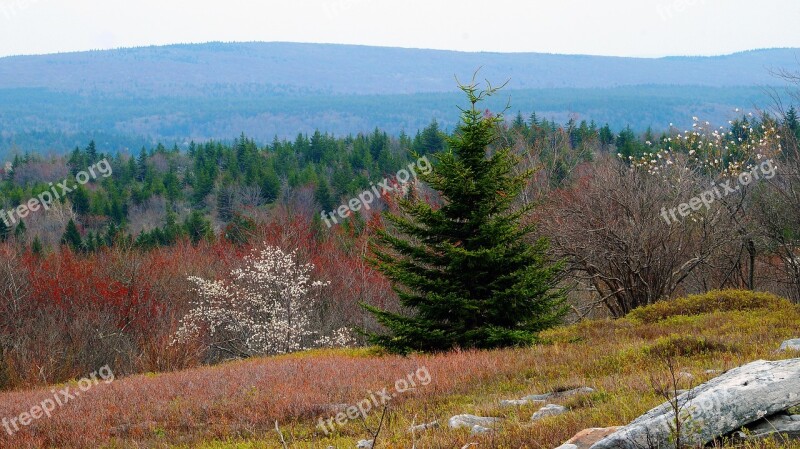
266 308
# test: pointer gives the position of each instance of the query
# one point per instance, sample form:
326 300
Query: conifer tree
270 185
36 247
91 152
466 270
72 237
20 230
5 231
80 200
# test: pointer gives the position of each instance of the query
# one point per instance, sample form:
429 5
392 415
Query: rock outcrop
717 408
549 410
459 421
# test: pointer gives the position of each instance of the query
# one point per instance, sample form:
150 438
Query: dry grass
235 405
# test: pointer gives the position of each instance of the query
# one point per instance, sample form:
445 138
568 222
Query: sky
642 28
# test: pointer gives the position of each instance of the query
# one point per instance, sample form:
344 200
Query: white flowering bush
713 152
266 308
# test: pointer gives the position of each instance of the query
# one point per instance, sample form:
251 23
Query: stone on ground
364 444
790 345
549 410
423 427
716 408
459 421
479 429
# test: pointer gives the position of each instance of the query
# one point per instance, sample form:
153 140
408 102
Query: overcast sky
599 27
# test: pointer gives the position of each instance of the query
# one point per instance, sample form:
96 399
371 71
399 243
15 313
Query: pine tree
323 196
606 136
792 124
270 186
91 153
534 121
5 231
225 203
466 270
80 200
197 227
72 237
76 162
20 230
141 166
36 247
172 230
519 123
431 140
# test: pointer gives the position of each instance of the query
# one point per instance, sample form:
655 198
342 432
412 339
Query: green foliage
36 247
198 227
5 231
430 140
72 237
335 168
465 269
80 200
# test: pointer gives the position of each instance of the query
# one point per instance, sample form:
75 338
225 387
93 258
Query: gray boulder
790 345
549 410
476 430
364 444
459 421
423 427
718 407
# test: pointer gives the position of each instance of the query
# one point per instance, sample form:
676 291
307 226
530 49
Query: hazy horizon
627 28
402 47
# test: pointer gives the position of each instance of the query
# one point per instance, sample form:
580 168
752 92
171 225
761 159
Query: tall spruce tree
72 237
466 271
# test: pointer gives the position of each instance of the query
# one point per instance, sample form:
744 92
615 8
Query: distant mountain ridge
129 97
350 69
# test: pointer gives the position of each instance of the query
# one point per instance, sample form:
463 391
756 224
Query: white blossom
265 309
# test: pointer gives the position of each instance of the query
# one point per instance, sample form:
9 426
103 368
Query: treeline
160 196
